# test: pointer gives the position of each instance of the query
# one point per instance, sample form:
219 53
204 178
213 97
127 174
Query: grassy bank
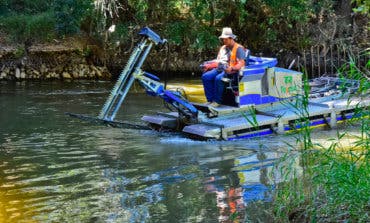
334 185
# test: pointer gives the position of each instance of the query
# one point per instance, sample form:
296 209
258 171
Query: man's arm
211 64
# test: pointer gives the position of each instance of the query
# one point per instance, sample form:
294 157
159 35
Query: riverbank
47 61
334 184
78 61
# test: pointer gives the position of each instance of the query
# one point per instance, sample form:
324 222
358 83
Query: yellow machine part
192 91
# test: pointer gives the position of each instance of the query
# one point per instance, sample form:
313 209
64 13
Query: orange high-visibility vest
233 60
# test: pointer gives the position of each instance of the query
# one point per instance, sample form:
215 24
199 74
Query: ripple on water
59 169
82 92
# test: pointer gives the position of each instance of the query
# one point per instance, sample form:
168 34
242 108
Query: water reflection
103 181
247 182
57 169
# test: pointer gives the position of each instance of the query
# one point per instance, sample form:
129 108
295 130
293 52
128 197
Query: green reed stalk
334 185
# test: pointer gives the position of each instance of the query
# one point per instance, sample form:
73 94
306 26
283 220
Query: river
55 168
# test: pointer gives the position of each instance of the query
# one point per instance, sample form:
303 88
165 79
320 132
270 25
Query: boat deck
228 123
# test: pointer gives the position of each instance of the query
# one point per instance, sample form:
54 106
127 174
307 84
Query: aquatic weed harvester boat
263 100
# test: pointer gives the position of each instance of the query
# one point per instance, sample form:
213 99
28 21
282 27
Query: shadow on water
57 169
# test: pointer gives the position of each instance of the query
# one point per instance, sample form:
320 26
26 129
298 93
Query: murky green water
58 169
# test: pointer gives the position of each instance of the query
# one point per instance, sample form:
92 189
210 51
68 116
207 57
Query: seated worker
230 59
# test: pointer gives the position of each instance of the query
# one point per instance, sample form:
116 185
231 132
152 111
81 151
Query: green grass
335 187
334 182
19 28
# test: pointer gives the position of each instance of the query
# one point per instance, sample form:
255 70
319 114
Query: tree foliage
69 15
191 26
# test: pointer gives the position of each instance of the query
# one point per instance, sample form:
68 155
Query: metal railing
321 60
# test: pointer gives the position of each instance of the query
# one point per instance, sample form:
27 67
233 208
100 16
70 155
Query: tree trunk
343 10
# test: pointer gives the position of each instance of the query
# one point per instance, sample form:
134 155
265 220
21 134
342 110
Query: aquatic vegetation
335 187
335 182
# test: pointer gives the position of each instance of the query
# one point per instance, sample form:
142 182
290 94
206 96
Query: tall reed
334 182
